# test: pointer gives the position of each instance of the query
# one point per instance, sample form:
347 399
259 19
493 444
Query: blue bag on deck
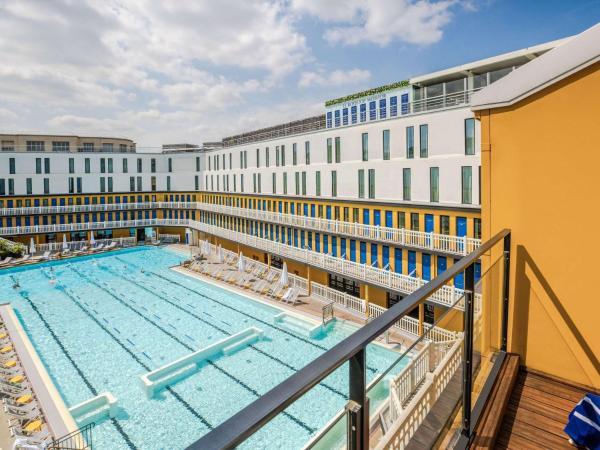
584 422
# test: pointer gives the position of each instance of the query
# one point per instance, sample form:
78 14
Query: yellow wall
540 166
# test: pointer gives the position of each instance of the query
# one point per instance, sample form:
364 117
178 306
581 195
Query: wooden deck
537 413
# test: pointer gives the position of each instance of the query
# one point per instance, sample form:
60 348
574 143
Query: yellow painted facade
540 164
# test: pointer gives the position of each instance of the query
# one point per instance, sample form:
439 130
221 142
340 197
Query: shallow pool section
100 323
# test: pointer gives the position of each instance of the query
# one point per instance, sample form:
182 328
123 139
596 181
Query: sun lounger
6 260
32 441
19 399
82 250
22 260
20 411
111 246
98 248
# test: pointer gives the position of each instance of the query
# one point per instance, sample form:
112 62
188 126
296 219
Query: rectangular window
297 179
254 182
168 182
282 155
318 183
35 146
110 165
414 221
338 150
11 186
46 186
198 162
469 136
477 228
259 186
467 184
8 146
365 146
334 183
102 184
423 141
110 184
386 144
139 184
274 178
285 184
124 165
371 183
132 184
294 154
277 156
102 165
445 225
71 185
257 157
139 165
11 166
410 142
434 184
329 150
406 184
267 163
79 185
197 182
2 186
123 148
153 165
107 147
170 165
60 146
87 165
307 152
88 147
71 165
303 183
38 165
29 186
153 183
46 165
361 183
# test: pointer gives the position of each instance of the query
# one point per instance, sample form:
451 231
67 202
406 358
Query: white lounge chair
111 246
6 260
98 248
25 258
36 441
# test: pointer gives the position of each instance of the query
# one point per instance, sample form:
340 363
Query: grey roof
566 59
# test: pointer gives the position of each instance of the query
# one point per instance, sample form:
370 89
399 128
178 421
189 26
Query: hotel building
387 190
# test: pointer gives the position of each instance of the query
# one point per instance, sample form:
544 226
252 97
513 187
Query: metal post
505 293
358 408
468 351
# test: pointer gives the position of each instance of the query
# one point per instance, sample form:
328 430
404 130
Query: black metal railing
246 422
80 439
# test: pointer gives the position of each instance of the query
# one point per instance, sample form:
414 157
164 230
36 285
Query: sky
183 71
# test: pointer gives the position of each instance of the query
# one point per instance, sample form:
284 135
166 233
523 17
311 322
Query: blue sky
183 71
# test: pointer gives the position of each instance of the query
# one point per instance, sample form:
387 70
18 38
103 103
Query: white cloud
7 114
334 78
90 125
381 21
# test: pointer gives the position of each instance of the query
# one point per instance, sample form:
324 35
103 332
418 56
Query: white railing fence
78 245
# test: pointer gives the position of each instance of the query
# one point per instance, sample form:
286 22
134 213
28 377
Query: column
366 300
421 319
308 278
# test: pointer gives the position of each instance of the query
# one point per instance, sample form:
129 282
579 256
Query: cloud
90 125
381 22
334 78
7 114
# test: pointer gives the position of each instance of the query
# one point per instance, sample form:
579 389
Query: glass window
38 165
79 185
317 183
294 154
274 182
102 165
60 146
477 228
480 81
285 190
365 146
434 184
267 159
410 142
361 183
334 183
386 144
110 165
198 162
153 165
445 225
297 178
139 184
329 150
11 165
139 165
46 186
29 187
303 183
495 75
363 112
467 184
414 221
107 147
170 164
132 184
406 184
371 183
35 146
46 165
307 152
469 136
338 150
87 165
168 182
71 165
124 165
110 184
401 216
423 140
282 155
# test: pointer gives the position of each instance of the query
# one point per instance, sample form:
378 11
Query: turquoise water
110 318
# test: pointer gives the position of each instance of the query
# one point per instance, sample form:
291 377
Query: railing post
468 352
505 293
357 407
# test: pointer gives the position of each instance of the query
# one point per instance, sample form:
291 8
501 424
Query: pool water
99 322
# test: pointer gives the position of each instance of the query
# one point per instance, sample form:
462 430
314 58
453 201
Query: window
230 162
445 225
110 165
406 184
259 188
132 184
434 184
267 162
329 150
123 148
153 183
2 186
11 186
88 147
102 165
71 185
283 155
79 185
297 178
469 136
294 154
401 216
371 183
153 165
71 165
303 183
477 228
198 162
46 165
361 183
318 183
334 183
139 184
87 165
338 150
365 146
277 156
274 182
168 182
423 140
353 114
257 157
285 184
197 182
139 165
29 187
102 184
60 146
35 146
467 184
410 142
8 146
107 147
170 165
46 186
11 166
414 221
386 144
124 165
307 152
110 184
38 165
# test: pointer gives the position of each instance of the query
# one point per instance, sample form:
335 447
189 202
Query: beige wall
540 164
19 142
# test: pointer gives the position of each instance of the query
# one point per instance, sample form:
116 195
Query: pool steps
157 379
298 324
95 409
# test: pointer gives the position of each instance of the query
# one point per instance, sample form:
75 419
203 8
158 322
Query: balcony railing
416 389
435 242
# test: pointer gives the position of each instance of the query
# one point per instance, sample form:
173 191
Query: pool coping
59 419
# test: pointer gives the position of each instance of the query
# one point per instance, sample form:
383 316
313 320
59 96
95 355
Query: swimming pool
108 319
